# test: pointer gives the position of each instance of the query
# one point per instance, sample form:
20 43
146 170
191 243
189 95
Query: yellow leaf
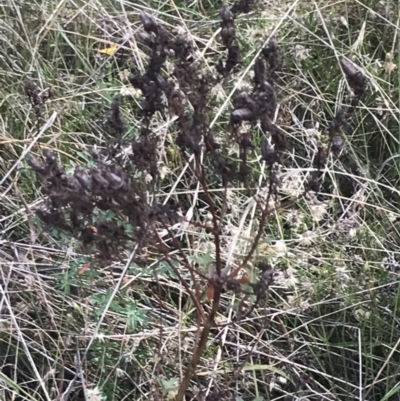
109 51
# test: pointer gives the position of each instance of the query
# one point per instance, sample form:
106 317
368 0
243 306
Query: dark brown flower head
94 152
278 136
242 6
211 144
337 144
259 72
268 153
355 77
149 23
273 55
245 141
84 179
226 15
37 166
243 114
321 158
115 118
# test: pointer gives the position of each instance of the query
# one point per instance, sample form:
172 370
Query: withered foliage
36 96
229 40
115 119
355 77
243 7
228 35
74 202
259 107
273 56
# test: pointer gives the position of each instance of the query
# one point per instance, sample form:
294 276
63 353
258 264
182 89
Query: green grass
330 328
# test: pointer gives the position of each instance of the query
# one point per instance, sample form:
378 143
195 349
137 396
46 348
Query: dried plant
75 201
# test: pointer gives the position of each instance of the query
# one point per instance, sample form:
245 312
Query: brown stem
190 371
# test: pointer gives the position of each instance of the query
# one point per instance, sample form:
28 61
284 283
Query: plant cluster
75 201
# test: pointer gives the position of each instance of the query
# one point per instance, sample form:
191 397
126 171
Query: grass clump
200 203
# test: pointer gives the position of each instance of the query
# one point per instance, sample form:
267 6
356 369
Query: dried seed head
240 115
50 156
94 152
84 179
144 38
350 69
226 15
149 23
337 144
272 54
354 75
98 178
320 159
115 118
31 90
268 153
115 182
37 166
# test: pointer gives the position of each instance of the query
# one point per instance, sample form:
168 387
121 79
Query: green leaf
271 368
168 385
204 260
135 316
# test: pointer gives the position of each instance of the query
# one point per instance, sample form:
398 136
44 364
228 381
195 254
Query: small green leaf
204 260
271 368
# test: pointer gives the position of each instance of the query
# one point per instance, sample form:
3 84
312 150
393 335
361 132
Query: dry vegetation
199 201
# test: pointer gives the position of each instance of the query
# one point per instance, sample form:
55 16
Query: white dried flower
130 91
307 238
346 227
362 315
318 211
285 279
164 171
343 20
292 183
94 394
218 93
148 178
307 285
262 197
279 248
301 53
294 218
312 135
343 277
124 75
390 263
